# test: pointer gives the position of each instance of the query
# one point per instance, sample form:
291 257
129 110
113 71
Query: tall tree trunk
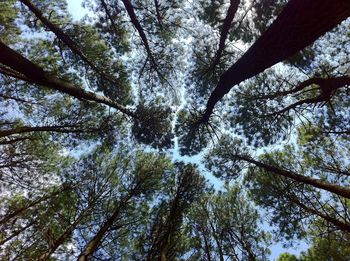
218 243
36 74
16 233
63 238
18 211
60 129
130 10
336 189
159 17
231 12
65 39
326 85
339 224
206 246
327 89
300 23
110 18
95 242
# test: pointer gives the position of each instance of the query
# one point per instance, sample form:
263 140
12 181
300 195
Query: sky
77 11
75 8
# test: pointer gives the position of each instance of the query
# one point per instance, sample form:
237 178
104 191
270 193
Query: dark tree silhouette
300 23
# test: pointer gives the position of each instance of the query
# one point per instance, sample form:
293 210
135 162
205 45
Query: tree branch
36 74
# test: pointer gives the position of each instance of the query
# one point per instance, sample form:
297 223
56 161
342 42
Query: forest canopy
175 130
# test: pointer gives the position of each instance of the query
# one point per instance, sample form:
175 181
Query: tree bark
95 242
64 38
325 85
61 129
37 75
130 10
110 18
336 189
300 23
159 17
339 224
231 12
63 238
6 218
16 233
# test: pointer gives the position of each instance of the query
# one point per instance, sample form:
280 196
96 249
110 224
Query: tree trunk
25 129
6 218
130 10
16 233
327 85
336 189
37 75
94 243
300 23
231 12
64 38
63 238
339 224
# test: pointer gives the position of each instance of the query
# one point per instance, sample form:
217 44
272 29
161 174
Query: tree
109 148
287 35
225 225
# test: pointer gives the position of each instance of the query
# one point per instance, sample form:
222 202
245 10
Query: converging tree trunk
231 12
130 10
35 74
18 211
65 39
333 188
300 23
95 242
311 210
65 235
60 129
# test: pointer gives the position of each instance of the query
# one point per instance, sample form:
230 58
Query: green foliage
153 126
91 161
287 257
8 15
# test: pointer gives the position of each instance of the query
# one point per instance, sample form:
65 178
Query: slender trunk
300 23
231 12
25 129
7 142
95 242
339 224
130 10
245 246
64 38
16 233
111 20
9 72
6 218
300 87
63 238
327 88
206 246
219 245
7 97
37 75
336 189
159 17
